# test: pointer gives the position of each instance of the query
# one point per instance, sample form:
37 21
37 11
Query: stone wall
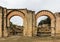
1 22
57 23
30 18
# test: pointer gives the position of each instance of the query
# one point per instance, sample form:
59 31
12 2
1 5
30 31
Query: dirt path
28 39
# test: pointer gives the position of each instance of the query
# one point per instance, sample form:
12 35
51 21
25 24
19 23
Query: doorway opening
43 26
16 26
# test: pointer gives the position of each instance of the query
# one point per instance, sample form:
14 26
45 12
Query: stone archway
52 17
16 13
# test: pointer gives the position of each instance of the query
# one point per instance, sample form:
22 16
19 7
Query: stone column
25 27
34 25
57 24
8 23
30 24
53 27
5 28
0 23
1 33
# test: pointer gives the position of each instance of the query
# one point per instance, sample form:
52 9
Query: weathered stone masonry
30 18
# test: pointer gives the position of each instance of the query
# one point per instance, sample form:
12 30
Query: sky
17 20
35 5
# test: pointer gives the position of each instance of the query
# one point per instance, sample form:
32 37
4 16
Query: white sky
17 20
36 5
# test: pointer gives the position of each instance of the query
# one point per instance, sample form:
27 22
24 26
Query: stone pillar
57 24
1 22
25 27
34 25
5 28
53 27
1 26
8 22
52 31
30 24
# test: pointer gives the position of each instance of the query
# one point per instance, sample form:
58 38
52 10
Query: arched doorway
52 18
16 26
17 20
43 26
15 29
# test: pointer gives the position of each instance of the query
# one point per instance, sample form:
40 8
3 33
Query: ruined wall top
57 14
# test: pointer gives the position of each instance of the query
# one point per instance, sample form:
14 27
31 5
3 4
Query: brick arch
16 13
45 13
51 16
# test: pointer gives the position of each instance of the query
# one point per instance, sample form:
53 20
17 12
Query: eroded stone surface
30 19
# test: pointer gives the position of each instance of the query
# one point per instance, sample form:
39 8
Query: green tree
46 21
